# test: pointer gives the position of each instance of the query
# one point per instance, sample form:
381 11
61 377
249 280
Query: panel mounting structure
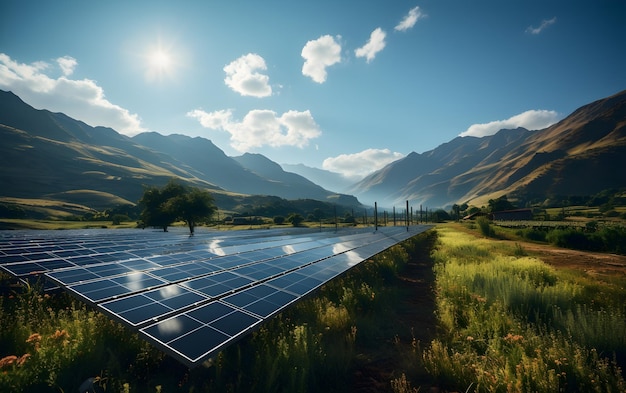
192 296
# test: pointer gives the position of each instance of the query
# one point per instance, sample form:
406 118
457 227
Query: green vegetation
513 323
506 322
163 206
485 227
610 239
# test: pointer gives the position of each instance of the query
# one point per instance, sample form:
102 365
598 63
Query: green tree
500 204
163 206
193 206
295 219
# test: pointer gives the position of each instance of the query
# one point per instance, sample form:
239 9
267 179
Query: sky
340 85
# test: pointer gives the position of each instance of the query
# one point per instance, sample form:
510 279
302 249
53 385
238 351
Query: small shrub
485 227
533 234
519 251
117 219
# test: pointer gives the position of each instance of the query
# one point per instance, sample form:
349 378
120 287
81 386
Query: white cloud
318 55
67 64
242 76
81 99
359 165
410 19
531 120
544 23
375 44
261 127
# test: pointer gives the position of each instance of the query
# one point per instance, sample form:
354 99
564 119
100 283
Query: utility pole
375 216
407 216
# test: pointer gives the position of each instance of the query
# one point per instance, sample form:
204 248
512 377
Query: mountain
580 155
292 183
52 156
327 179
252 174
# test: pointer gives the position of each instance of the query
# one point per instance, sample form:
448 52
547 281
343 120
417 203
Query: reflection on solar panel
192 296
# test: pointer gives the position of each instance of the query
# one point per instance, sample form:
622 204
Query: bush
117 219
485 227
533 234
607 239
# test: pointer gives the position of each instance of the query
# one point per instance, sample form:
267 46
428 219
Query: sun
160 60
160 64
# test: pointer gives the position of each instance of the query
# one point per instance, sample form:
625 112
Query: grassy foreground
507 322
511 323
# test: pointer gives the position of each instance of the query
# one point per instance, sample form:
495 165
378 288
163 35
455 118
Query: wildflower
60 335
23 359
512 338
7 360
34 339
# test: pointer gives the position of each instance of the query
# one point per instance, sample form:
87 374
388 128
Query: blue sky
345 86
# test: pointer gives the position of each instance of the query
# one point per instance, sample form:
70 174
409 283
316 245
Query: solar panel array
192 295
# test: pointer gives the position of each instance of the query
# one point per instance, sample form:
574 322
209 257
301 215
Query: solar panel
192 296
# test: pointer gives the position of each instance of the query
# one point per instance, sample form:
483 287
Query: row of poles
407 217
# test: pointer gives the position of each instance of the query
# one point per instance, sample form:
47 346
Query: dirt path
590 262
415 323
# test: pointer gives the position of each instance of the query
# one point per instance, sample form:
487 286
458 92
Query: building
512 215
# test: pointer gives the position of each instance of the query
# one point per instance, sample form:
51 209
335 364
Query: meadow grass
9 223
513 323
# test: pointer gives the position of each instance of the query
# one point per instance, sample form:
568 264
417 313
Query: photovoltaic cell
192 296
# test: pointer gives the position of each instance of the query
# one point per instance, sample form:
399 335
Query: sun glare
160 60
159 64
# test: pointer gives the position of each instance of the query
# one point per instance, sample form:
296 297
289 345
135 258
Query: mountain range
51 156
583 154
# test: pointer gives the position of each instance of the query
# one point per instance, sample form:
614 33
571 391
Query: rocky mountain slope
52 156
580 155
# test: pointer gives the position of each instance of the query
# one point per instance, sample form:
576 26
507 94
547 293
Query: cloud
67 64
410 19
359 165
375 44
261 127
544 23
318 55
81 99
532 120
241 76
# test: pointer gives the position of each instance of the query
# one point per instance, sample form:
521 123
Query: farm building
512 215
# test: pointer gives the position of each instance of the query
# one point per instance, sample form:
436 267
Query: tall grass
53 342
516 324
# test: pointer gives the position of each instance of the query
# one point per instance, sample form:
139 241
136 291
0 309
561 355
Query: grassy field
488 317
512 323
9 223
